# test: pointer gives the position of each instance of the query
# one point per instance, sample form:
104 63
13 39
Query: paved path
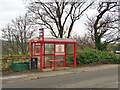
104 76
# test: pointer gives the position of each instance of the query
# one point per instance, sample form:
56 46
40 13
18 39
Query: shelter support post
54 56
65 55
44 57
34 48
41 57
74 55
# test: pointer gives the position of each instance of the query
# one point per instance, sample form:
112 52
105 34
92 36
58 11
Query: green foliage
95 56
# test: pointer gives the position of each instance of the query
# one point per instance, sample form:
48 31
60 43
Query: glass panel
59 57
49 48
69 49
37 50
69 60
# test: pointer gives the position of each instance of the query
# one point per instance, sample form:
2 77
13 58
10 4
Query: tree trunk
61 32
97 43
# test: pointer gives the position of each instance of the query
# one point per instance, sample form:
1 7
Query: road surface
107 78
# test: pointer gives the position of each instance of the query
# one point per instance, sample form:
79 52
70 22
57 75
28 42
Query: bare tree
16 35
59 16
8 45
84 42
103 29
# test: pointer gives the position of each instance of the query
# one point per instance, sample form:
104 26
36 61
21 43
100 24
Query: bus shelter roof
53 40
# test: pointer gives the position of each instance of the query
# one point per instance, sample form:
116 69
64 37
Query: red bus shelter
59 47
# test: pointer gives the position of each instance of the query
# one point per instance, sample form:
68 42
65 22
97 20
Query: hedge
95 56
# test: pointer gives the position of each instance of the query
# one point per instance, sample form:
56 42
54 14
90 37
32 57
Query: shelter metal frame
41 42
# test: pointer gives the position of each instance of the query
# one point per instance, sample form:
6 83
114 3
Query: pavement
37 75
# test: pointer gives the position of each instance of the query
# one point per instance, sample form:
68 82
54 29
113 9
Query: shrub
94 56
109 58
86 56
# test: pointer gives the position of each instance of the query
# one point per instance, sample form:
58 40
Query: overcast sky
11 9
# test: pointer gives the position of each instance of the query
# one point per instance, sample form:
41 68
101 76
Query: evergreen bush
95 56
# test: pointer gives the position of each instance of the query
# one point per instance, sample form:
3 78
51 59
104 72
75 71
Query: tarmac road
107 78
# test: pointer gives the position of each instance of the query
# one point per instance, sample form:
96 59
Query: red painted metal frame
64 55
75 55
54 56
43 42
52 42
44 57
41 57
34 48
